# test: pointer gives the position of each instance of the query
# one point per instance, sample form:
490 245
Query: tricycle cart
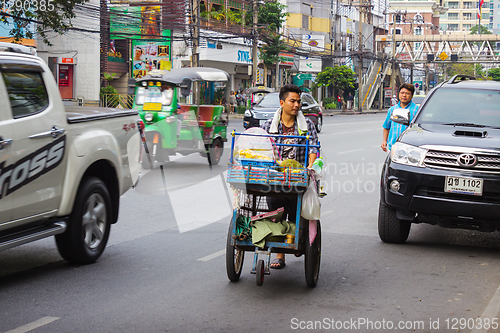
253 183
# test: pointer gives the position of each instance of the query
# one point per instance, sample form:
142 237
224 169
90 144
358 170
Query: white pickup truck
62 170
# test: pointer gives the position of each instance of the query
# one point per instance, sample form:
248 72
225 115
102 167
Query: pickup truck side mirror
186 87
401 116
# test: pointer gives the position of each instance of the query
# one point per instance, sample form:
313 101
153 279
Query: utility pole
195 58
255 41
381 97
426 78
360 64
393 67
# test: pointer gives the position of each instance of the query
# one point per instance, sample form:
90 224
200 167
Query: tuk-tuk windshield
154 94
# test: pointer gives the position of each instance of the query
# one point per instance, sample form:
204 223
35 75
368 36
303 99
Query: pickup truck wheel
319 124
390 228
215 152
89 224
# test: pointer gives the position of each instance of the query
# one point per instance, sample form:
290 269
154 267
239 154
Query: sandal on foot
279 263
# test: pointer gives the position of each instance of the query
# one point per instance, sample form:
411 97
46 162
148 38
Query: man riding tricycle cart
172 127
259 180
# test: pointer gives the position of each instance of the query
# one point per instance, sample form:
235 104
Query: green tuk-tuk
172 127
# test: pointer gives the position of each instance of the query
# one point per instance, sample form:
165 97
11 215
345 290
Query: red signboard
67 60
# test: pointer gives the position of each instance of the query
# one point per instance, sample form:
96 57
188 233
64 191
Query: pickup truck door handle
54 132
4 143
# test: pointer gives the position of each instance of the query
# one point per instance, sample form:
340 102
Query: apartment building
462 15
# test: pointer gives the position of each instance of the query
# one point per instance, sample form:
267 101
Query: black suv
445 168
265 109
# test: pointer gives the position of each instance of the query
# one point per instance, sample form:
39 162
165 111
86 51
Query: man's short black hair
287 88
409 87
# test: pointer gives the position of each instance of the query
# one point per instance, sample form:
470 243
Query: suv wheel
390 228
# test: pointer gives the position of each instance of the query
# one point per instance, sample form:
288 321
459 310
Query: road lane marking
33 325
213 255
491 311
349 151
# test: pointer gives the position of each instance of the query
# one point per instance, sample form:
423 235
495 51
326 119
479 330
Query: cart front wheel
313 257
260 272
234 258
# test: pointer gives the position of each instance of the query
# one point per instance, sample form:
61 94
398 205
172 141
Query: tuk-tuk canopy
176 76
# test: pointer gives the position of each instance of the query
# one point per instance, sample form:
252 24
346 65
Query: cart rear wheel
313 257
234 258
259 274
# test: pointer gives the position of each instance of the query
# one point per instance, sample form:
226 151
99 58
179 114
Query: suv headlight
248 113
406 154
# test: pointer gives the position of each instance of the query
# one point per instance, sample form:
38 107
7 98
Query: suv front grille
449 160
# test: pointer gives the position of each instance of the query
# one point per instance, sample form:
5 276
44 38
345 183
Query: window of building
418 46
305 21
453 5
452 16
466 27
418 18
469 5
397 17
485 16
486 4
418 31
453 27
467 16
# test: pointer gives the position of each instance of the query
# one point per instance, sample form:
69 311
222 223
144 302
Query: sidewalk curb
328 113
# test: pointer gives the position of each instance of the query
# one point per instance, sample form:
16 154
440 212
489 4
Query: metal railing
116 101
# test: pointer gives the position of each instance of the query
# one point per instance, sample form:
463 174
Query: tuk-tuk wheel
313 257
215 152
260 272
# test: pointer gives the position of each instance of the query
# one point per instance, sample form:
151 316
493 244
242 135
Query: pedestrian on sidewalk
392 130
339 102
350 101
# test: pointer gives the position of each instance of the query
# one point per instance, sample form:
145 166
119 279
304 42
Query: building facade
462 15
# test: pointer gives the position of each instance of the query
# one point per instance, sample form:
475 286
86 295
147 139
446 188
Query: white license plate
463 185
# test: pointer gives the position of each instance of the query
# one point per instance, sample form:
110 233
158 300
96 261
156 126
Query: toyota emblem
265 115
467 160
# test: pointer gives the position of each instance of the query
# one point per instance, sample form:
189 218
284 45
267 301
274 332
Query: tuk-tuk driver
289 120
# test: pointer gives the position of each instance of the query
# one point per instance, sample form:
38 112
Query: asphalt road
164 268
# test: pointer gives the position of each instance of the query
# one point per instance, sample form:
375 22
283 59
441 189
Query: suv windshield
270 100
462 106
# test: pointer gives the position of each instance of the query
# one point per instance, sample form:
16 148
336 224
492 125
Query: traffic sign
304 76
443 56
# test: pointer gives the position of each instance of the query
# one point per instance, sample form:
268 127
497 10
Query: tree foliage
270 18
49 15
475 30
494 74
475 70
341 78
